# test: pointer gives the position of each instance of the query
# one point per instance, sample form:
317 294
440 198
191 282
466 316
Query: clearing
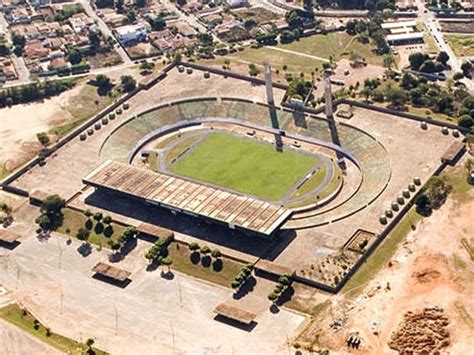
461 45
244 165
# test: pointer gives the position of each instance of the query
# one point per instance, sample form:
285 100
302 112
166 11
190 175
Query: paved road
105 29
14 341
269 6
18 62
434 29
191 19
104 70
151 315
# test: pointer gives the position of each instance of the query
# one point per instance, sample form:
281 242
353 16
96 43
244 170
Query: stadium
226 159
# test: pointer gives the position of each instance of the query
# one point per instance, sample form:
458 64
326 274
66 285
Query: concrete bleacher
370 154
376 174
121 141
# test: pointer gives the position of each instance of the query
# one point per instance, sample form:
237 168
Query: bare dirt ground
431 268
19 124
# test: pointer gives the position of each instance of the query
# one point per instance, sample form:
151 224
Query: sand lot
430 268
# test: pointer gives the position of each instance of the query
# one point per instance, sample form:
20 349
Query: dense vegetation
32 92
358 4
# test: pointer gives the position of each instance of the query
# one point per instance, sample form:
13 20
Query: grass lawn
244 165
258 14
15 315
382 254
82 106
336 44
313 182
430 43
457 178
178 149
277 59
73 220
423 111
461 45
181 257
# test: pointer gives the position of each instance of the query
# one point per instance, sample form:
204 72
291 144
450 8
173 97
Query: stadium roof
398 24
405 36
193 198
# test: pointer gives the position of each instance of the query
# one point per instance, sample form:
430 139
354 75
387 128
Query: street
429 19
105 30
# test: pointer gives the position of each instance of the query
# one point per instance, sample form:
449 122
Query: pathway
298 53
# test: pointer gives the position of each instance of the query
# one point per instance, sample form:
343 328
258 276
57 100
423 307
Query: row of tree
32 92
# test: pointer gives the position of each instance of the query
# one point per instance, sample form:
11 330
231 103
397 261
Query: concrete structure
269 84
405 38
402 32
131 33
236 3
328 94
237 211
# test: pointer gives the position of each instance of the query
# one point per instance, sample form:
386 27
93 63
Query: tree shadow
195 257
108 231
206 261
85 249
246 288
99 228
167 275
152 266
217 265
274 309
285 296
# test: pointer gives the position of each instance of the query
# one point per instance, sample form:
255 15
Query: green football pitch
244 165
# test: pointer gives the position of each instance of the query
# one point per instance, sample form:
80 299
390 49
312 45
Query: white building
131 33
236 3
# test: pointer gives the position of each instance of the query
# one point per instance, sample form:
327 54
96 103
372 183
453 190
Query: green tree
253 71
82 234
416 60
51 216
128 83
167 261
193 246
443 58
396 97
74 56
43 138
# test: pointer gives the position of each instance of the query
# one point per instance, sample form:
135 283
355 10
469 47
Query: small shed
8 238
155 231
453 153
37 197
235 313
345 111
111 272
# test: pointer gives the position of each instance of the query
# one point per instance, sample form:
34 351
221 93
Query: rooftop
189 197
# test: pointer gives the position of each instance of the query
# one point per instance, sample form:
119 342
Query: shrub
216 253
98 216
83 233
107 220
193 246
272 296
205 250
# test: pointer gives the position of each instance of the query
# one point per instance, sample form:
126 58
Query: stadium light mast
328 94
269 83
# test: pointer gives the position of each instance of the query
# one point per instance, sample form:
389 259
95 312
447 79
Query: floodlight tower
330 117
269 83
328 94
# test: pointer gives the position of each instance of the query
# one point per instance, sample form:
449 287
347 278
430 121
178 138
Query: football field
245 165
